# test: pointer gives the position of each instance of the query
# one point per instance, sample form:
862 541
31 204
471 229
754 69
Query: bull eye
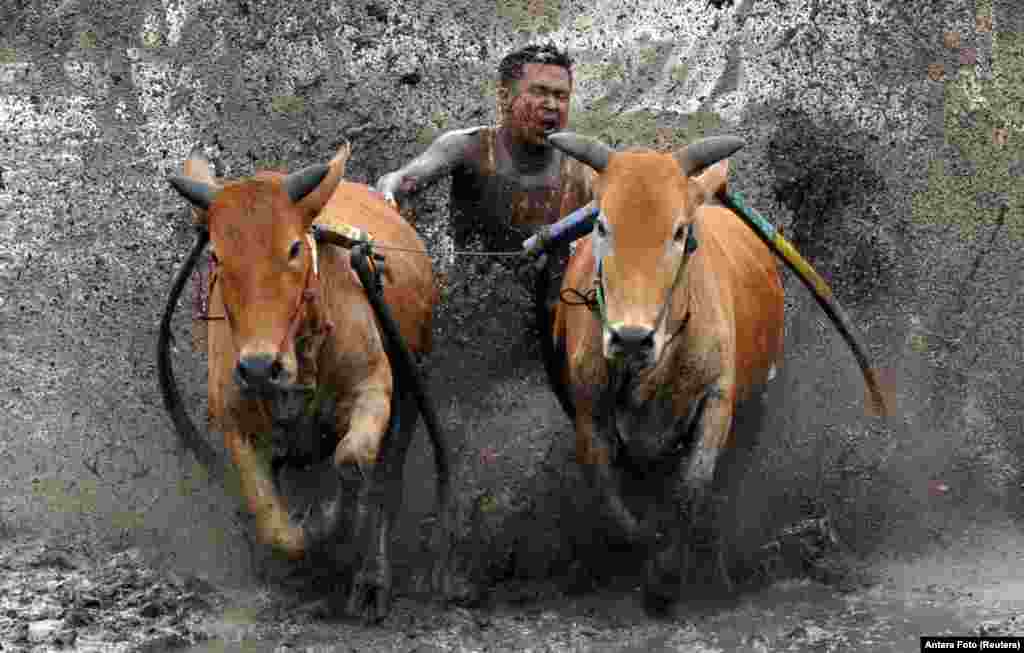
293 253
680 235
602 231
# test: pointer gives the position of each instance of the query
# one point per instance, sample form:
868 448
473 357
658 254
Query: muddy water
791 616
794 615
56 597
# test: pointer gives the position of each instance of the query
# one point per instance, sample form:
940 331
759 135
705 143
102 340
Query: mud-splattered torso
495 205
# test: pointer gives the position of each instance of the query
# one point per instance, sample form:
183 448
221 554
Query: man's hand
385 186
446 153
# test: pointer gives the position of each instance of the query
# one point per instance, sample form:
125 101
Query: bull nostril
633 338
256 370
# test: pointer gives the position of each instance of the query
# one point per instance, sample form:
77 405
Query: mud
65 595
888 148
60 595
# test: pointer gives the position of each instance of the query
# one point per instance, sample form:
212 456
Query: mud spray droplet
488 504
488 456
1000 136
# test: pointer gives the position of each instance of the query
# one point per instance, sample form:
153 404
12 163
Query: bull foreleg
364 431
605 478
372 592
371 421
255 484
714 435
656 538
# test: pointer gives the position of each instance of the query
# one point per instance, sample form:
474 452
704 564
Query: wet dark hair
511 67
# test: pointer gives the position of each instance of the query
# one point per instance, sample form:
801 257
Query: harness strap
307 354
309 294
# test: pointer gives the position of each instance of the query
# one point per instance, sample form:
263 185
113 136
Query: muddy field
63 596
886 139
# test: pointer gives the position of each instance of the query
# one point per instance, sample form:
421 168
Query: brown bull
685 324
299 331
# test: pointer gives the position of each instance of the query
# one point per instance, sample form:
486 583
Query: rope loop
573 297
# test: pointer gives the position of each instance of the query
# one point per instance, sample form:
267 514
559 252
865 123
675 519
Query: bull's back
750 273
409 285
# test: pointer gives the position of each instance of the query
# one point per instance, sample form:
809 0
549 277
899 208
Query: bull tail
879 400
188 434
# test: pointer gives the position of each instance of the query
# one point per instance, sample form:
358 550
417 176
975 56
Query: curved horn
303 182
588 150
707 151
199 193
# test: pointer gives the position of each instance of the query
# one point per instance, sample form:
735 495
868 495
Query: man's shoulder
466 135
469 146
469 131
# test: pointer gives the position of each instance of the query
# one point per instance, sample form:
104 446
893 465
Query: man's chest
511 198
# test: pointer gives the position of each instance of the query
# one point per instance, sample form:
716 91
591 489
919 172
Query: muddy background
886 139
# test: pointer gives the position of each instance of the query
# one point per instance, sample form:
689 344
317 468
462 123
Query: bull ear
199 193
715 178
302 182
590 151
707 151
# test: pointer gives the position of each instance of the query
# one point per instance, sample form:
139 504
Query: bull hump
352 197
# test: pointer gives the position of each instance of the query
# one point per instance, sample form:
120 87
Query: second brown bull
685 324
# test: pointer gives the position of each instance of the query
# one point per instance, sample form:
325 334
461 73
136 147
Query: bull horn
303 182
706 152
589 150
199 193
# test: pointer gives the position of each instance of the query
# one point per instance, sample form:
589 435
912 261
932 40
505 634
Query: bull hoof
370 597
725 578
441 581
442 575
580 579
320 522
663 584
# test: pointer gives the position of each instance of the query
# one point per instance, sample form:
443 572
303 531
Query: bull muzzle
260 374
633 344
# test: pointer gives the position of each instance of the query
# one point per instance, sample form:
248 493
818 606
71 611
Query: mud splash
61 596
55 596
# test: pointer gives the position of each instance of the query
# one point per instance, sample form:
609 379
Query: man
507 181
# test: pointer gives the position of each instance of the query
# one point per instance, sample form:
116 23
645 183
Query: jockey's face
539 102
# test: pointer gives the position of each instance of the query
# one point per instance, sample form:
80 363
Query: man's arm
446 153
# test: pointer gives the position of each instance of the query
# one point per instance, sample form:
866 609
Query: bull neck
530 159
